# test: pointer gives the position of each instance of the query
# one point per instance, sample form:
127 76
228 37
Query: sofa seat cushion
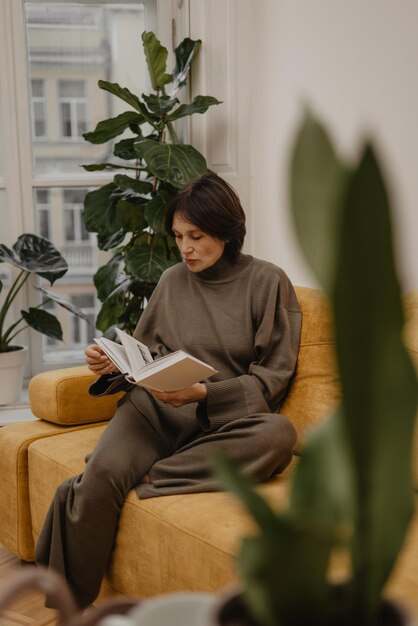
15 439
62 397
178 542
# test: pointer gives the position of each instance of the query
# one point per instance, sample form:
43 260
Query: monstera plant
352 491
30 255
128 213
33 255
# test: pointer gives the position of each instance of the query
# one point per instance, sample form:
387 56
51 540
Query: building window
38 108
83 333
43 217
73 108
74 230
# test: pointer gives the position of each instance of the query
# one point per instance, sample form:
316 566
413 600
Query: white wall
355 62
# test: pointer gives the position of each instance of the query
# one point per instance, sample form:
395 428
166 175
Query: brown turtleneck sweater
242 318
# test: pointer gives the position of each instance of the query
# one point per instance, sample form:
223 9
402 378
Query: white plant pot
12 366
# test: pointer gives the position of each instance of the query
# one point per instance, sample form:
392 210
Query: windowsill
18 412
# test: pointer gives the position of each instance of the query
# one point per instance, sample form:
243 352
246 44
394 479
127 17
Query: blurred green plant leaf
317 183
378 379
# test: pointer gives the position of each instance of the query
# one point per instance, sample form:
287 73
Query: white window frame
19 182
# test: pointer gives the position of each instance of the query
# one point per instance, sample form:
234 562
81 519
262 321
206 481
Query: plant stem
14 290
17 332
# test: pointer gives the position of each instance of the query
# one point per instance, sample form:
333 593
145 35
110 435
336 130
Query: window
83 333
73 222
52 55
73 108
43 213
38 108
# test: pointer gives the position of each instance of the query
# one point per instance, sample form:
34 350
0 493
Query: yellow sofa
172 542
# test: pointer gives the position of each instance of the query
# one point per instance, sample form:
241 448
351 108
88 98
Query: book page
138 354
115 352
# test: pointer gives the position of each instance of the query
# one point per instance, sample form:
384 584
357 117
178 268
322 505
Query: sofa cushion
16 526
163 544
315 389
61 396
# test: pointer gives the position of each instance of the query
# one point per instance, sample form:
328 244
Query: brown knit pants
145 437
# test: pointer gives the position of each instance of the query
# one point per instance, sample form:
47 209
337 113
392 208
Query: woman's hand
195 393
97 360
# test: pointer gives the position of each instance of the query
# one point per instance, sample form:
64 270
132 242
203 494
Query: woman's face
198 249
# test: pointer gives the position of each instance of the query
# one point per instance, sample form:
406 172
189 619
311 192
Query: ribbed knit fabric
245 321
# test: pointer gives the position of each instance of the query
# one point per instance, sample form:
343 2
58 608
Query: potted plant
352 489
128 213
31 255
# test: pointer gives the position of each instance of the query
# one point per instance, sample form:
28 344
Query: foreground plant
33 255
128 214
352 488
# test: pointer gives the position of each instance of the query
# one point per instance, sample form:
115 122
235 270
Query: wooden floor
28 610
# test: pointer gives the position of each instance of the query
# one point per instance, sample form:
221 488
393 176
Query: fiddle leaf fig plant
128 213
352 489
32 255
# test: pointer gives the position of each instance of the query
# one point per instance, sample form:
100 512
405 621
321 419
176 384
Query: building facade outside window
50 66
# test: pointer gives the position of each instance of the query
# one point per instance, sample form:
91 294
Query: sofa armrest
61 396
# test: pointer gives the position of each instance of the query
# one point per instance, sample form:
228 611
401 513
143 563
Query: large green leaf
147 260
108 129
378 380
125 149
109 276
35 254
132 215
98 167
65 304
317 182
159 105
121 92
156 56
109 313
156 209
137 187
200 104
43 322
184 53
175 164
100 215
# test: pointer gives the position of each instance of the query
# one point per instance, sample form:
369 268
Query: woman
238 314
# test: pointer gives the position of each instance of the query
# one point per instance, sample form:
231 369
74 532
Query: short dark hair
212 205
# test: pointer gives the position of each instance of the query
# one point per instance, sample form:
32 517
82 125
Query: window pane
71 47
1 140
71 89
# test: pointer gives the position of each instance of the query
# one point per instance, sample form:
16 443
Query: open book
167 373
